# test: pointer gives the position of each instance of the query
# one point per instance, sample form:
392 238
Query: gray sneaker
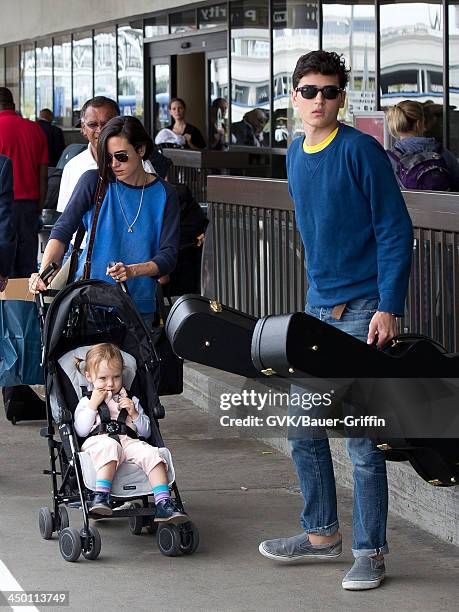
366 573
299 547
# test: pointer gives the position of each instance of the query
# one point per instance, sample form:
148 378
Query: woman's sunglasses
120 156
309 92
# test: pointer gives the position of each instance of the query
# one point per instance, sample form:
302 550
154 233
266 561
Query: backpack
426 170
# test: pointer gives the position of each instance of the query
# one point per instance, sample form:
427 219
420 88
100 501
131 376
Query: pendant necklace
131 225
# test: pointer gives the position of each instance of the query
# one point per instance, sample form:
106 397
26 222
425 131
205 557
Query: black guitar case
209 333
299 345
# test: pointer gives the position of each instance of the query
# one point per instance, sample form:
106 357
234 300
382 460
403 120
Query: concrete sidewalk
238 492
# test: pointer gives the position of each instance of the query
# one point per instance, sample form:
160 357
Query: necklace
131 225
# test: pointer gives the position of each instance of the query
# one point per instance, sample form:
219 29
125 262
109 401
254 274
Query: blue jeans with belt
314 465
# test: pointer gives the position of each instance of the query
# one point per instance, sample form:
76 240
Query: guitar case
298 345
207 332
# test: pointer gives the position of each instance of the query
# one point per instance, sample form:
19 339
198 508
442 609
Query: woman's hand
120 272
36 285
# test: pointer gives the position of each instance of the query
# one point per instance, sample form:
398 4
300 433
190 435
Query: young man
358 240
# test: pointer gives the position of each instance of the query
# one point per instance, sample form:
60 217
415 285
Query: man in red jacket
24 142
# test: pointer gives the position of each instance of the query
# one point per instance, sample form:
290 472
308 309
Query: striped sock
161 492
103 486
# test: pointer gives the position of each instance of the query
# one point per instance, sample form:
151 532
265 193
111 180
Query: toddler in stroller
115 428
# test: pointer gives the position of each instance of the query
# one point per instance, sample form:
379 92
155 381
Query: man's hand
120 272
3 282
384 325
36 285
97 397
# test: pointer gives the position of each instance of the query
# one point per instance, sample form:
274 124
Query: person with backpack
419 161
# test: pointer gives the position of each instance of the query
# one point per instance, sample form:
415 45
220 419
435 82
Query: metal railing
254 259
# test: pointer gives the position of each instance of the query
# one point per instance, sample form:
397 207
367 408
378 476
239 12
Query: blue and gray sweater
155 235
353 221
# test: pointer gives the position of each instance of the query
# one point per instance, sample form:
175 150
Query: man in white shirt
95 113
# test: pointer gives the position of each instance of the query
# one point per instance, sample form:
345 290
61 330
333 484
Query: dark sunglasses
120 156
309 92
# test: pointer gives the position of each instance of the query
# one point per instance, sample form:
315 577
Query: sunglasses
120 156
309 92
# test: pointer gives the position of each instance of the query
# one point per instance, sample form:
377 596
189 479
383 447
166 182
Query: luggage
212 334
23 404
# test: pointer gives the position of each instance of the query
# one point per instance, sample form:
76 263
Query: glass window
454 78
12 70
44 59
82 69
295 32
411 52
62 51
250 73
349 29
219 102
105 63
156 26
130 70
212 16
2 67
185 21
28 81
161 87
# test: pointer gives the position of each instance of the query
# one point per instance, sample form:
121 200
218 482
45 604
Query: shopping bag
20 345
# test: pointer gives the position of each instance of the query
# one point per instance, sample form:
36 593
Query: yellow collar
321 145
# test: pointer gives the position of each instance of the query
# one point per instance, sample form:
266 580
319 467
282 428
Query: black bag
170 371
23 404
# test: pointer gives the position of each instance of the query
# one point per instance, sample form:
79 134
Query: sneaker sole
286 559
101 511
362 585
175 520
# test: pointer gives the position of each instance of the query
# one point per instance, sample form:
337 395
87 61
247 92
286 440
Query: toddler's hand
97 397
128 404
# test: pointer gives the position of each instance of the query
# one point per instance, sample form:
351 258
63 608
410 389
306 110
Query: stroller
82 314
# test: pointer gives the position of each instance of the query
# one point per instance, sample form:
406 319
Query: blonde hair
98 353
410 116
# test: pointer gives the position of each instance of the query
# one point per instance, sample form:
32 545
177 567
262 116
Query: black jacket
7 236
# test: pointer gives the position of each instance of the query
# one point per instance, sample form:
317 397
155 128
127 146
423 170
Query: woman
419 162
193 137
138 225
218 124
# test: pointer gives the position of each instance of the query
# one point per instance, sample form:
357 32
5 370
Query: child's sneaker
167 511
100 504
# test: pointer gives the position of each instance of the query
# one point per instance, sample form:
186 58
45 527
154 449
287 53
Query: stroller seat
130 481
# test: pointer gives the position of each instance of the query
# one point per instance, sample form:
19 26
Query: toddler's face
107 375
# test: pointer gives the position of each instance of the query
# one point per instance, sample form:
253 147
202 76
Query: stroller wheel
168 539
135 522
189 538
45 523
91 544
62 519
70 544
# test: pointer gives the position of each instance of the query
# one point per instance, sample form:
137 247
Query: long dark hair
125 127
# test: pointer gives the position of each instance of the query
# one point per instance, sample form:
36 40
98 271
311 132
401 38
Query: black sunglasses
119 156
309 92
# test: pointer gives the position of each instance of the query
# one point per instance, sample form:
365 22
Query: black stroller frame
76 310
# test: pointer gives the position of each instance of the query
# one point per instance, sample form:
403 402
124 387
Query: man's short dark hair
97 102
321 62
6 98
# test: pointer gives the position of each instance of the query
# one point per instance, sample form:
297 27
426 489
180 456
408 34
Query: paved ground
238 492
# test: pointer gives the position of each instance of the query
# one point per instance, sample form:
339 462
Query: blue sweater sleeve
81 200
391 222
166 259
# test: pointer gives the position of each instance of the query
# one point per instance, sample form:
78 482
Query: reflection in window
185 21
156 26
105 63
44 59
212 16
2 67
28 81
295 32
130 71
454 78
411 52
12 70
219 103
250 73
62 51
349 29
82 69
161 88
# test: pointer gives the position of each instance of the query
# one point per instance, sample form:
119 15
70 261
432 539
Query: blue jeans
313 462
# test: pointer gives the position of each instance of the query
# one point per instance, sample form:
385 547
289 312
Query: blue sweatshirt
155 235
353 221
